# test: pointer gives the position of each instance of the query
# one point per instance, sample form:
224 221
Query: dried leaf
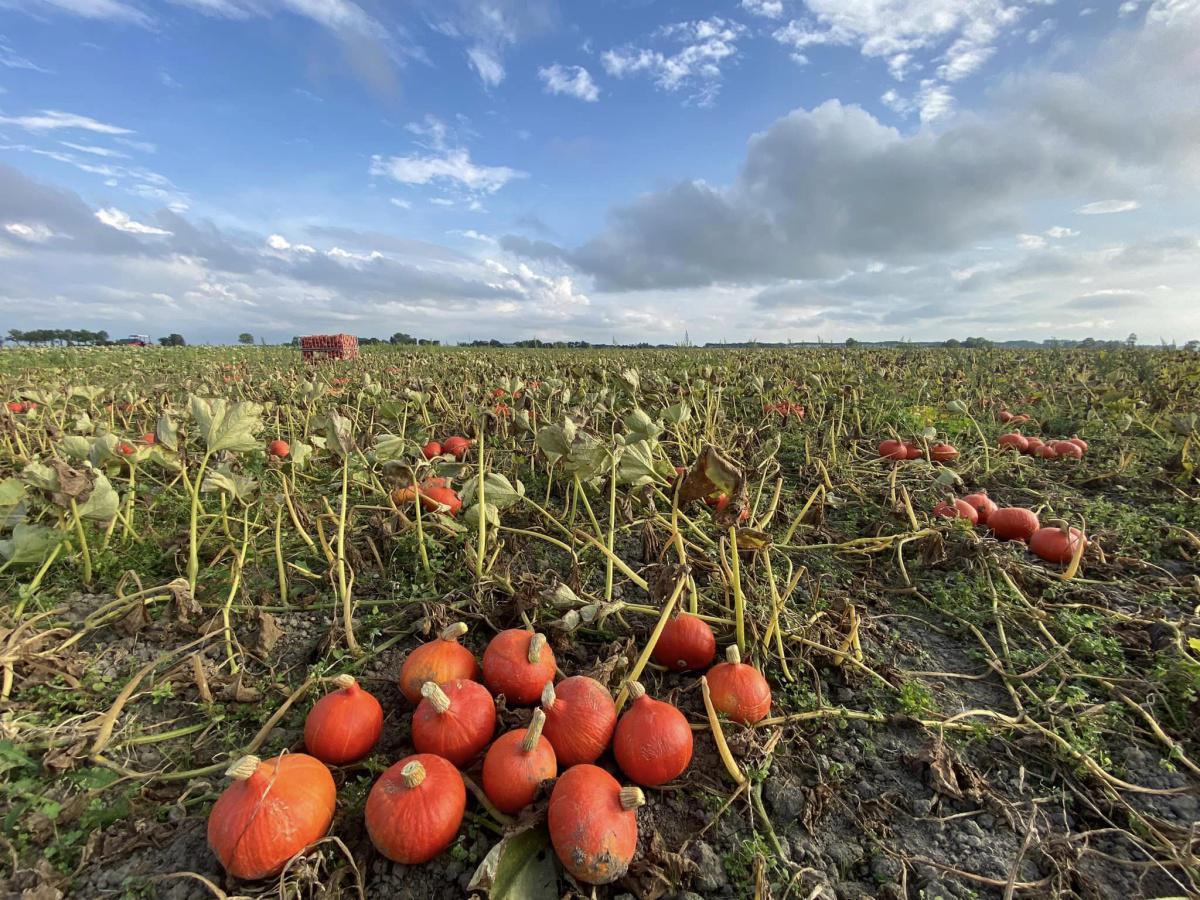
269 633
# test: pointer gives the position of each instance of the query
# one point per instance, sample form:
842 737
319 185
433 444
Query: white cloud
1106 207
1031 241
115 218
453 166
1039 31
278 242
109 10
35 232
768 9
10 59
1060 231
167 80
96 151
487 65
475 236
574 81
53 120
934 101
403 204
708 44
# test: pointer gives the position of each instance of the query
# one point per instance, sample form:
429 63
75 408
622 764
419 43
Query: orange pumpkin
739 690
456 446
686 643
439 661
455 720
1015 441
593 824
580 719
653 743
943 452
1013 523
343 725
273 810
1057 542
892 449
415 808
517 764
956 509
517 664
983 505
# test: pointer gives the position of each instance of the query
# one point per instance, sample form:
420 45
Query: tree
1131 341
1192 346
851 342
245 338
173 340
401 338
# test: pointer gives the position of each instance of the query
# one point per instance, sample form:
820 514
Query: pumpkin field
839 622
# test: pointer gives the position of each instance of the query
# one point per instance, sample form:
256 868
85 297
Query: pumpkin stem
632 798
548 695
733 655
243 768
534 734
636 690
413 773
453 632
436 696
344 681
536 643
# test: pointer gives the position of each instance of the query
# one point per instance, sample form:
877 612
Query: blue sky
457 169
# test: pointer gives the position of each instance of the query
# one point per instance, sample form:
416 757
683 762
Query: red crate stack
318 347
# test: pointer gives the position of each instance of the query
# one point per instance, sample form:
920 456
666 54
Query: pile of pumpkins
896 449
1056 542
276 808
1031 445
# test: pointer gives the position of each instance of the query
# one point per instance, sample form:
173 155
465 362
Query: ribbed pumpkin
1044 451
956 509
580 719
1067 449
415 808
517 764
983 505
273 810
1015 441
431 449
343 725
1012 523
943 452
517 664
686 643
653 742
1079 442
738 689
440 660
456 446
593 824
1056 542
455 720
1032 444
892 449
913 450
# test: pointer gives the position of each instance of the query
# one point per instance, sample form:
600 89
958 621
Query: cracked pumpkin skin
273 810
591 828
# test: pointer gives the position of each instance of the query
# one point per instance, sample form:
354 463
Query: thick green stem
84 551
193 564
343 586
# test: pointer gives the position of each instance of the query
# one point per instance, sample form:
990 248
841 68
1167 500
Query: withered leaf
135 620
269 633
183 604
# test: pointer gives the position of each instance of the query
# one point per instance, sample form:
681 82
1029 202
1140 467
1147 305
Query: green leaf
30 545
103 502
471 516
389 446
678 413
498 491
339 435
227 427
75 447
12 493
166 432
641 426
104 449
39 475
637 466
225 480
300 455
519 867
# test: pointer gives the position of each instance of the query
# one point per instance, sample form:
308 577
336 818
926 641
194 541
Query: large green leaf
389 446
498 491
641 426
226 481
166 432
637 466
39 475
339 434
75 447
225 426
102 503
520 867
30 545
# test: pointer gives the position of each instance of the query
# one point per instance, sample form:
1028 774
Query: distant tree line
65 336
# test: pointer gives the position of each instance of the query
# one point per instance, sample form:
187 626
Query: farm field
951 715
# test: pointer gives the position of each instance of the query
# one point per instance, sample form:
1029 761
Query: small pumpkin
593 824
343 725
913 450
983 505
943 452
1045 451
686 643
1057 542
1012 523
415 808
431 449
279 448
517 664
254 839
1005 416
1032 443
653 742
517 764
455 720
1067 449
892 449
956 509
738 689
580 719
1015 441
440 660
1079 442
456 446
